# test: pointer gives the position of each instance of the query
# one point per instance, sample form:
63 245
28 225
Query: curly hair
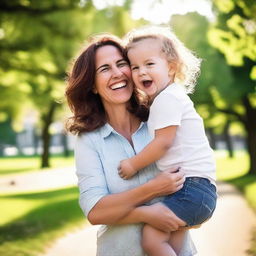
186 62
86 106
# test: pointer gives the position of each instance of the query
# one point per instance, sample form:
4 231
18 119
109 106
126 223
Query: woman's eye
103 69
122 64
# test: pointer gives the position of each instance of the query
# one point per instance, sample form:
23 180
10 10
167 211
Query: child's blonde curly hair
186 62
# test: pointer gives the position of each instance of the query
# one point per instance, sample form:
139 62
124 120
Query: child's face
150 70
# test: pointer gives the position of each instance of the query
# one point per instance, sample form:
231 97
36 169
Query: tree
192 29
234 35
40 39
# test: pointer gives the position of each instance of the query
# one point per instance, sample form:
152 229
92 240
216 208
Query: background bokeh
38 41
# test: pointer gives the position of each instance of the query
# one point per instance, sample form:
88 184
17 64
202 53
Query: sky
159 12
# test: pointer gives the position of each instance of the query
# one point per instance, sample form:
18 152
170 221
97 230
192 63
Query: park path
228 233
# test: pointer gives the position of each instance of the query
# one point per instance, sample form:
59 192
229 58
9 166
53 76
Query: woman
110 126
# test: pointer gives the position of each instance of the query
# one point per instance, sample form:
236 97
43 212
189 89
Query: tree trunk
46 137
35 141
64 140
227 139
251 142
250 126
1 149
212 138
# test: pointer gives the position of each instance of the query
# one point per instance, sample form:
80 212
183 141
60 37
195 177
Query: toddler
165 70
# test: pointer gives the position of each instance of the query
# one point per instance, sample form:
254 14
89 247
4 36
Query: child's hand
125 169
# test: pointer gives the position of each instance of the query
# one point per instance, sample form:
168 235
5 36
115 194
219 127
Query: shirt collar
107 129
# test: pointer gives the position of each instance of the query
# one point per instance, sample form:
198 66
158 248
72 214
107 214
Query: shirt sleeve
91 179
166 110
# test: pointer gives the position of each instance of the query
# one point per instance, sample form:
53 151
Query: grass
15 165
31 221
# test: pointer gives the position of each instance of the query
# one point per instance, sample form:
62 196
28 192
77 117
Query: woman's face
113 76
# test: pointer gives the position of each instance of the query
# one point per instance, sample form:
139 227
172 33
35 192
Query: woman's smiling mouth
118 85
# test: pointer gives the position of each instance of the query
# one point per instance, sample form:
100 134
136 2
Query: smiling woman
109 123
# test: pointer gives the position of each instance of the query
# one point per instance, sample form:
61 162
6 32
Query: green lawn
29 222
14 165
233 170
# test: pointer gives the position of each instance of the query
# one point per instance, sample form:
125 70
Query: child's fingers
121 174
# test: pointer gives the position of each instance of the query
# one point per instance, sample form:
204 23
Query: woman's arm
157 215
95 199
121 208
150 154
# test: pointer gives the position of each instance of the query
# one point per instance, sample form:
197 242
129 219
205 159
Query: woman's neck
123 121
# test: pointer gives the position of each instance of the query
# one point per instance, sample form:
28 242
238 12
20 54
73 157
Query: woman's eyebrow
105 65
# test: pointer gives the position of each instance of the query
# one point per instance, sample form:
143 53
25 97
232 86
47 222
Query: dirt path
228 233
38 180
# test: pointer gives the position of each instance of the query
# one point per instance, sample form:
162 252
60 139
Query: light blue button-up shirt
97 156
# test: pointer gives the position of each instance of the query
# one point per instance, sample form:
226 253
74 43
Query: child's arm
151 153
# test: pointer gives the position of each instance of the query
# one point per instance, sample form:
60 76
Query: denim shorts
195 202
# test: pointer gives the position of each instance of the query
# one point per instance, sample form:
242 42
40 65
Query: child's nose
142 71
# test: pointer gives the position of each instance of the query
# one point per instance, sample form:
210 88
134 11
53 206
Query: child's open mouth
147 83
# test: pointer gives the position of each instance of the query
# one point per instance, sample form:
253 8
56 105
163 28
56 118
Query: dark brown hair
86 106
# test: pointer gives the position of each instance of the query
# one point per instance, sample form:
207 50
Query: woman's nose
116 72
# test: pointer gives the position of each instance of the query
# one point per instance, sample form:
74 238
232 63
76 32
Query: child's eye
134 68
150 63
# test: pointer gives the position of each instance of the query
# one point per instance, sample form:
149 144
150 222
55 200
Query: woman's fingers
163 218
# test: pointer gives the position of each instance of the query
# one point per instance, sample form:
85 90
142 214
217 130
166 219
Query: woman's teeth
118 85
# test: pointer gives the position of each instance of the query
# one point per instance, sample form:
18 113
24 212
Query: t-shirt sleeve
165 111
91 179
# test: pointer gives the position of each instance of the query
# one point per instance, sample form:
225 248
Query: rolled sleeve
91 178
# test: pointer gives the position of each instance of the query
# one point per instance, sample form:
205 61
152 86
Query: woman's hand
167 182
160 217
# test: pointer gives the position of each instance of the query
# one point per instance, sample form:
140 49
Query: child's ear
172 69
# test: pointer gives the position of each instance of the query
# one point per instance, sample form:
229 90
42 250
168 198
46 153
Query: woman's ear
94 90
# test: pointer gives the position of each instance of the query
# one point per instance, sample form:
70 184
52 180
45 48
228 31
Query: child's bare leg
156 242
177 239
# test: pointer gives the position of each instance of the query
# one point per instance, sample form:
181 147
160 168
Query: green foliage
7 135
192 29
235 32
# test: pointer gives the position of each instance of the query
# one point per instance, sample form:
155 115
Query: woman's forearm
114 208
156 215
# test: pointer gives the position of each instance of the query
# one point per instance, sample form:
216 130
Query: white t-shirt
190 150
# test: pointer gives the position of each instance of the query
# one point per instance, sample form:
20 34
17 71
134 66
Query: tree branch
233 113
5 7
